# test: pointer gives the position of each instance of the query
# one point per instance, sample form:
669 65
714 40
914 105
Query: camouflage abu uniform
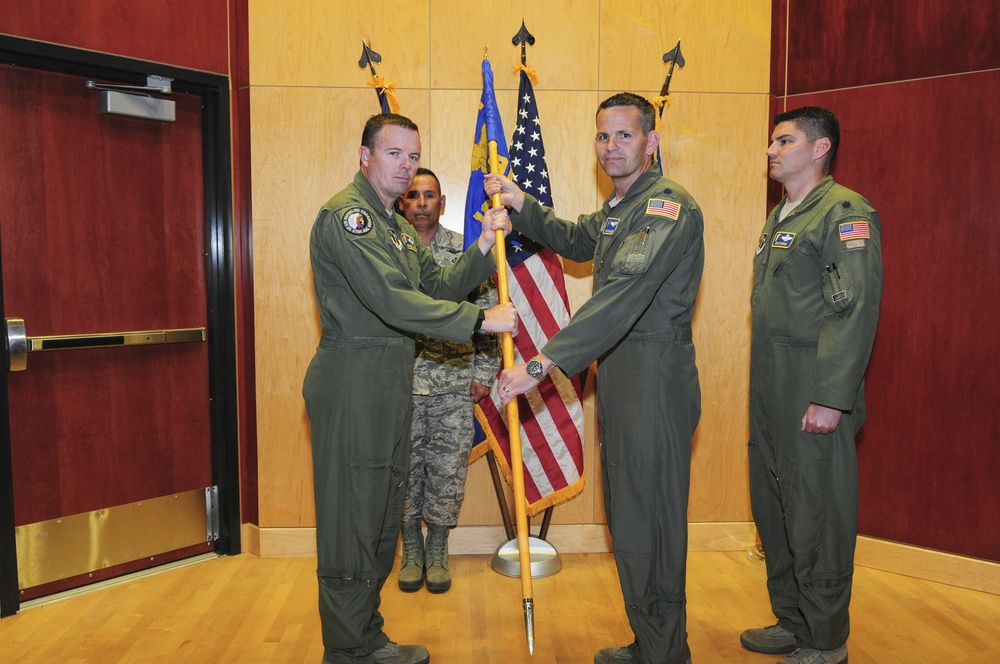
442 427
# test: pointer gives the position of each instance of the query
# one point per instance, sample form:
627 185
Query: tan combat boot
411 571
438 576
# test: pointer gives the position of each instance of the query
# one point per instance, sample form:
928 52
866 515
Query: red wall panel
844 43
243 259
923 152
779 34
185 33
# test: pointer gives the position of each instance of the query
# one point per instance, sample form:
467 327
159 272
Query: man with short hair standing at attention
646 244
376 286
448 379
815 302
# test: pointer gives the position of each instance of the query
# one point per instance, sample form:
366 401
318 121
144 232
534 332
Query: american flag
664 208
854 230
552 415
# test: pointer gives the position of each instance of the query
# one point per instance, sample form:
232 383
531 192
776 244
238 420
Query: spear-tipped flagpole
524 38
673 57
513 423
368 59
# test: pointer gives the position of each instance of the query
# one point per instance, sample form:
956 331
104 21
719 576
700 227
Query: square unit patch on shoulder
663 208
854 230
610 224
357 221
783 240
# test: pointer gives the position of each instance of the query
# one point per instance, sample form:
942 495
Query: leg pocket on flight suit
805 486
371 491
631 520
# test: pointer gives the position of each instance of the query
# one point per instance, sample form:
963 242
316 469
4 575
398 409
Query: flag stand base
545 559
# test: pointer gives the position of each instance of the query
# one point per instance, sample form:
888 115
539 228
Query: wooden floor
248 609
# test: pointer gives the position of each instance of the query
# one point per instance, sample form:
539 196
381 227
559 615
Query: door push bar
20 344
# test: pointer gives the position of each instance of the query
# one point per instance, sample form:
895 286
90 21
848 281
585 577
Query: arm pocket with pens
635 254
838 290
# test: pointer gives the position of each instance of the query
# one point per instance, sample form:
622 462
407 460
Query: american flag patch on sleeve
663 207
853 230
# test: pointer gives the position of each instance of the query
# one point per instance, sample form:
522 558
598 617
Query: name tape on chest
357 221
663 208
783 240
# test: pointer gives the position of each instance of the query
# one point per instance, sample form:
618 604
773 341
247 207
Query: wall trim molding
894 557
928 564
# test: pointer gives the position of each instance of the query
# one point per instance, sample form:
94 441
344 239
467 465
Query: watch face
534 369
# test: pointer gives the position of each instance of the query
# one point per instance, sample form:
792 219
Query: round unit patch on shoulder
357 221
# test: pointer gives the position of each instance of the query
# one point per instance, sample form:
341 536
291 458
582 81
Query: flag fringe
479 451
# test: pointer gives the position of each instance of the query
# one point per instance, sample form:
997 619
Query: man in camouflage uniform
449 378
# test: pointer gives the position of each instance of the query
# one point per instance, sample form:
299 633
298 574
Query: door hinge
211 513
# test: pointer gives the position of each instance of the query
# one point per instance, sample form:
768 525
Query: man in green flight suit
376 286
815 302
646 244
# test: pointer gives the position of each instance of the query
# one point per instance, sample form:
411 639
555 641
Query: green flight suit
648 259
376 285
815 301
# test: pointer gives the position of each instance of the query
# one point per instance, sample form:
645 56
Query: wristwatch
534 369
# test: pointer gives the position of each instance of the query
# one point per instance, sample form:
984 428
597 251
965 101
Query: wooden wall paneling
714 146
726 45
776 105
185 33
928 455
565 32
862 43
312 42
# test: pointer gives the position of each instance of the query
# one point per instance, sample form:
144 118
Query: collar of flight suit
371 197
814 196
641 184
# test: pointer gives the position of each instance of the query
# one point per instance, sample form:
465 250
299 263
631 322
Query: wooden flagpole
514 429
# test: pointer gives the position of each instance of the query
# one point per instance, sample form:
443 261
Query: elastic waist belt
668 333
329 341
